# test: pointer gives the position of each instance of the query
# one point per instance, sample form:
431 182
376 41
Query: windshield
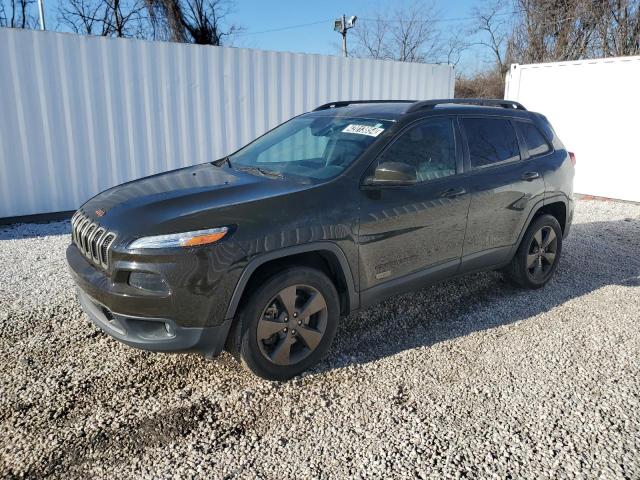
312 147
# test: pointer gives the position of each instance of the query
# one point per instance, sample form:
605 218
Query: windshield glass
312 147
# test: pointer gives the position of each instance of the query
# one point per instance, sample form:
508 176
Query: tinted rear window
534 139
491 140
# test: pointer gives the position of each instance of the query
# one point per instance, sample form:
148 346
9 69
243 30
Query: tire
274 337
532 267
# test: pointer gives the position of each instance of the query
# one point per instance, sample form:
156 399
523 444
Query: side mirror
393 173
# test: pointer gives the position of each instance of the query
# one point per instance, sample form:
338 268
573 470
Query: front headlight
186 239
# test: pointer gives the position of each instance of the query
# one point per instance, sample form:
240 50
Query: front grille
91 239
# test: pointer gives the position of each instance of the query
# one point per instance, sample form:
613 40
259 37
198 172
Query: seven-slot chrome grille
91 239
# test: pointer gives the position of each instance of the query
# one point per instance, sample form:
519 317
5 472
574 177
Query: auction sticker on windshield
363 130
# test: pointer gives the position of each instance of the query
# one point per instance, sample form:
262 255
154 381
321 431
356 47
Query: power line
286 28
432 20
382 20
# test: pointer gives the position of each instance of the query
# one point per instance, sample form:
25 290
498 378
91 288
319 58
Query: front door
407 229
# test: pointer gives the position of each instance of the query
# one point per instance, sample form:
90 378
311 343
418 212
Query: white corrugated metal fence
80 114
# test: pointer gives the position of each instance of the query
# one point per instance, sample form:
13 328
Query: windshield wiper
262 171
219 162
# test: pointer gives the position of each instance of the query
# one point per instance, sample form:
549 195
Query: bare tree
126 18
17 14
166 20
371 36
554 30
110 18
407 34
493 27
84 16
196 21
455 46
619 27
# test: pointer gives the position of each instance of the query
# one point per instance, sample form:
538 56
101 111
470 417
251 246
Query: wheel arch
556 206
326 256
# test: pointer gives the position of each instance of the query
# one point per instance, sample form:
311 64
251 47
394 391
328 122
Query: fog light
169 329
151 282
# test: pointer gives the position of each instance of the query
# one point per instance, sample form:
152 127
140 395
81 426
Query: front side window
310 147
533 138
428 147
491 140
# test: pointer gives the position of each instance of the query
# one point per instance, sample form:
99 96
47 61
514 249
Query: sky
266 23
264 16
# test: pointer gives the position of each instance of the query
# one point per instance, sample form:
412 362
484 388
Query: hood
178 199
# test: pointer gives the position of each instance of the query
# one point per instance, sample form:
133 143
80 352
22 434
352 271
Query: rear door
504 185
409 228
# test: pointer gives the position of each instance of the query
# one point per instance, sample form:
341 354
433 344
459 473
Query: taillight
572 156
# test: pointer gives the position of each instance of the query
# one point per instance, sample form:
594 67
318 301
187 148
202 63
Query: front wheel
537 256
288 323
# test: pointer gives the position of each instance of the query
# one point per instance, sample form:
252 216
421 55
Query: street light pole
41 12
341 26
344 35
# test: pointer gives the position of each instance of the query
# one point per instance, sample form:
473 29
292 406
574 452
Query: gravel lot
470 378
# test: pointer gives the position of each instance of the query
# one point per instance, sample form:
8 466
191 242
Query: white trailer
594 107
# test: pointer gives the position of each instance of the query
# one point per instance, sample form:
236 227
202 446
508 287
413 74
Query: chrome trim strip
99 248
108 250
81 230
76 227
95 238
88 235
90 240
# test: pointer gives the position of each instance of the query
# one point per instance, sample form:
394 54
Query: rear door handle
530 176
453 192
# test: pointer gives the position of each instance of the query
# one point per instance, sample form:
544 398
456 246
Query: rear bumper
155 334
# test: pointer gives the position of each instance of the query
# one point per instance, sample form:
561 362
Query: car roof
372 109
396 109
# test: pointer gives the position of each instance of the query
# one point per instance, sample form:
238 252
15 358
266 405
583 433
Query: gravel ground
470 378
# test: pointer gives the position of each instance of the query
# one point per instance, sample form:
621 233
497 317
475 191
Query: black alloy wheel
291 327
287 323
542 253
537 256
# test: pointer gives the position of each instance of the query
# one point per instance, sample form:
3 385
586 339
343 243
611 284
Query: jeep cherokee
263 251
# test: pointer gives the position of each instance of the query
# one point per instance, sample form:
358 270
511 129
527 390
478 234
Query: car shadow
594 255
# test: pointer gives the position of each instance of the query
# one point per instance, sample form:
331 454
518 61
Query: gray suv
263 251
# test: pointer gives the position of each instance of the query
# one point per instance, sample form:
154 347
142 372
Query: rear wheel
288 323
537 256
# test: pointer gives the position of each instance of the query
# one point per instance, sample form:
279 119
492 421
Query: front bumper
146 321
155 334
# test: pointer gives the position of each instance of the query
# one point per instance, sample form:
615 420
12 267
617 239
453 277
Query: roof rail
429 104
344 103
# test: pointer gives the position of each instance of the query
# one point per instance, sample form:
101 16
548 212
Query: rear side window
491 140
534 139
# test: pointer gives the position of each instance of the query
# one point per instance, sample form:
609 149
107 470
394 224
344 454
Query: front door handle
529 176
453 192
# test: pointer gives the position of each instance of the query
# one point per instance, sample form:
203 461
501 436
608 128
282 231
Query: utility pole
341 26
41 12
